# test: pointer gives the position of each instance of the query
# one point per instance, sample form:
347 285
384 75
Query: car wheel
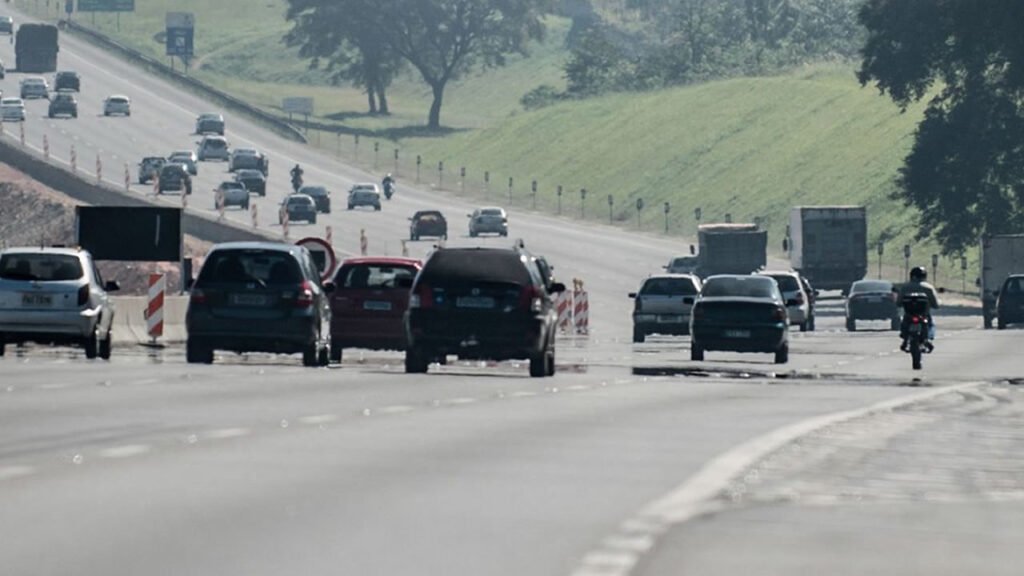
105 345
323 358
312 220
416 361
894 324
782 354
810 324
263 192
91 346
551 362
803 326
638 335
538 364
336 351
472 234
987 321
851 325
309 355
696 352
3 345
1001 324
197 353
377 208
350 206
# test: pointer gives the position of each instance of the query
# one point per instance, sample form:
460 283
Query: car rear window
1014 286
40 267
116 100
787 283
215 143
862 287
250 174
373 276
314 190
668 287
300 201
243 266
470 265
742 287
491 212
430 217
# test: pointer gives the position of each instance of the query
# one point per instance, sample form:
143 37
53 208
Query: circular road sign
323 255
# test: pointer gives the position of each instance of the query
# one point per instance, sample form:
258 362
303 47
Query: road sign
298 105
106 5
180 33
323 255
141 234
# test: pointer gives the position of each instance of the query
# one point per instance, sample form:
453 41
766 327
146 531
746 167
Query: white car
12 110
117 104
366 194
213 148
54 296
798 302
35 87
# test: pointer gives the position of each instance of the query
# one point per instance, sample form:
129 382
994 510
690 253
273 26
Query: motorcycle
389 190
296 182
918 327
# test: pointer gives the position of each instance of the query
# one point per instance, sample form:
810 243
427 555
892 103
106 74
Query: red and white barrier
155 306
284 222
329 235
219 199
581 307
564 305
99 169
364 244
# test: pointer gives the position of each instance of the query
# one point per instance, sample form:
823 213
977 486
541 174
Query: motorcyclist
918 285
296 177
388 184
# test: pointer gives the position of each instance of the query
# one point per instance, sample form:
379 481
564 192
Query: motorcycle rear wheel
915 353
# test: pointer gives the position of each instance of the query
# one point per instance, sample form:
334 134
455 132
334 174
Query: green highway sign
106 5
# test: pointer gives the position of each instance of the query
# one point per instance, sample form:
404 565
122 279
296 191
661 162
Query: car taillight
83 295
197 296
915 319
779 314
422 297
305 297
531 298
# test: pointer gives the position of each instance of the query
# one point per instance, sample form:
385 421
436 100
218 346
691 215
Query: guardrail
278 124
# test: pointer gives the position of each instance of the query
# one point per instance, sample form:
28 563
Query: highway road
631 460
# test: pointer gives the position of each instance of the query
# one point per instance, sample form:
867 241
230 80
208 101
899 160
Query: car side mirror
632 294
111 286
688 300
557 288
405 283
942 290
329 287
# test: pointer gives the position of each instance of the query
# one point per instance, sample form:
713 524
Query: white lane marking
125 451
398 409
319 419
522 394
52 386
637 544
12 472
577 387
225 433
460 401
697 494
147 381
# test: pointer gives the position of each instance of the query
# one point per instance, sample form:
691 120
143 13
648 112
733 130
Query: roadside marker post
74 159
46 147
155 306
21 128
255 219
99 169
127 178
364 243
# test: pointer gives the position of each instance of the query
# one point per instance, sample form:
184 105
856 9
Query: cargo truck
35 48
1001 255
828 245
730 249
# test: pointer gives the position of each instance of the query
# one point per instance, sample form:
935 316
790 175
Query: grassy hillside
750 147
239 49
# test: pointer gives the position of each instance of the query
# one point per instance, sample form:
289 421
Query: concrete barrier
130 320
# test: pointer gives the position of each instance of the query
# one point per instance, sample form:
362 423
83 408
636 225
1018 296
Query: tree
965 171
339 33
442 39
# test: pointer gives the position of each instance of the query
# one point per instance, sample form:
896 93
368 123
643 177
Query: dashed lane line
126 451
12 472
225 433
318 419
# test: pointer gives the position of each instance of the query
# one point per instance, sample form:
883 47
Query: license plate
736 333
376 305
36 300
474 302
250 300
874 299
915 328
670 319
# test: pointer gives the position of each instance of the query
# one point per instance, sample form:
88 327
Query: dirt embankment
32 214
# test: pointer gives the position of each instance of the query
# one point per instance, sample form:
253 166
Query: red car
369 301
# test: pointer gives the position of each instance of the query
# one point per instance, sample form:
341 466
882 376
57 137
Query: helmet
919 274
389 175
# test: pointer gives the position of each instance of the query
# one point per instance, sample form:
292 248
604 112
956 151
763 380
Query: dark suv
259 297
63 103
67 80
428 223
482 303
1010 305
174 177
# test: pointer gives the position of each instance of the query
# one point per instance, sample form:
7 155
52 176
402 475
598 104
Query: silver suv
489 220
663 305
54 296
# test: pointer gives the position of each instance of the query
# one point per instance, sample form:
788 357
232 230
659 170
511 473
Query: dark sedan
872 300
428 223
253 180
320 196
1010 305
740 314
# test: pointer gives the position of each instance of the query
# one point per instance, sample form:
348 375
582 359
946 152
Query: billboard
143 234
180 34
298 105
106 5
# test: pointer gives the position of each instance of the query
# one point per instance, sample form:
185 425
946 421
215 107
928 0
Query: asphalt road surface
631 460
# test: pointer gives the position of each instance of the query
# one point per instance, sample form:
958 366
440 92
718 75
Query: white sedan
12 110
117 104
